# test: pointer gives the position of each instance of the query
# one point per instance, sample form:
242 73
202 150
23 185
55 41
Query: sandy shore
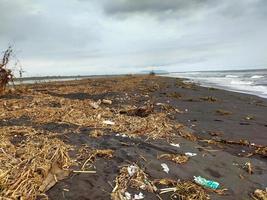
149 114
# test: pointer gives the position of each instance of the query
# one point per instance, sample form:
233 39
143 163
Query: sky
85 37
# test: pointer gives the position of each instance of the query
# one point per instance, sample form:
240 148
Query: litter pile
134 177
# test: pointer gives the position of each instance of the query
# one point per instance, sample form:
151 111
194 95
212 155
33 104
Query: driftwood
6 74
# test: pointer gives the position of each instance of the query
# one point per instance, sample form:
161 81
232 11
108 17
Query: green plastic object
206 183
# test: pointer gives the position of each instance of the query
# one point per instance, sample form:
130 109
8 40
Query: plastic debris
128 196
132 170
165 167
131 176
175 145
119 135
206 183
95 105
108 122
139 196
190 154
106 101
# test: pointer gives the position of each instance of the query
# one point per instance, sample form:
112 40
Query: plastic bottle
207 183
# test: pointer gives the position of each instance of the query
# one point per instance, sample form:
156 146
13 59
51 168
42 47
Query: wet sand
206 112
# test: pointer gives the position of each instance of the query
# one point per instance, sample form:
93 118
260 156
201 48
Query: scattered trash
249 117
106 101
128 195
139 196
179 159
132 170
84 172
119 135
175 145
95 105
190 154
165 167
108 122
206 183
138 180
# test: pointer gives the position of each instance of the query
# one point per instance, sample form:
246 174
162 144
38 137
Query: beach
138 120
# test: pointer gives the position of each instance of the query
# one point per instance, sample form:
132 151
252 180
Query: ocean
243 81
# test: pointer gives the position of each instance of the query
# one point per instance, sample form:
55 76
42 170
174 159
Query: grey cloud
153 6
182 8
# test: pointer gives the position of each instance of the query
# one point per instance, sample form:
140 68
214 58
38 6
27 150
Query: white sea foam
257 76
231 76
239 82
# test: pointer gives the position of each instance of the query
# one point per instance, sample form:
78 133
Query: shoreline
48 79
149 114
217 86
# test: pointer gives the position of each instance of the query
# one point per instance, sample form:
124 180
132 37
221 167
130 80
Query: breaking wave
250 82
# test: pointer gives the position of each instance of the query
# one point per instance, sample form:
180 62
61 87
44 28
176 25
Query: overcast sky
70 37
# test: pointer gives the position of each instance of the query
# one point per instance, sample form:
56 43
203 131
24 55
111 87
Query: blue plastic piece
206 183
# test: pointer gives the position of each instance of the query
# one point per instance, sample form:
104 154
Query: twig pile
104 153
179 159
186 190
25 169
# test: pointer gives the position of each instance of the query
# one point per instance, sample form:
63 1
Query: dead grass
187 135
24 169
179 159
186 190
86 156
223 112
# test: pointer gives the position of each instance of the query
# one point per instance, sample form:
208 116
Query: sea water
244 81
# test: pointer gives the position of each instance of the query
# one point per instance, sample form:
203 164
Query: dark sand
200 115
